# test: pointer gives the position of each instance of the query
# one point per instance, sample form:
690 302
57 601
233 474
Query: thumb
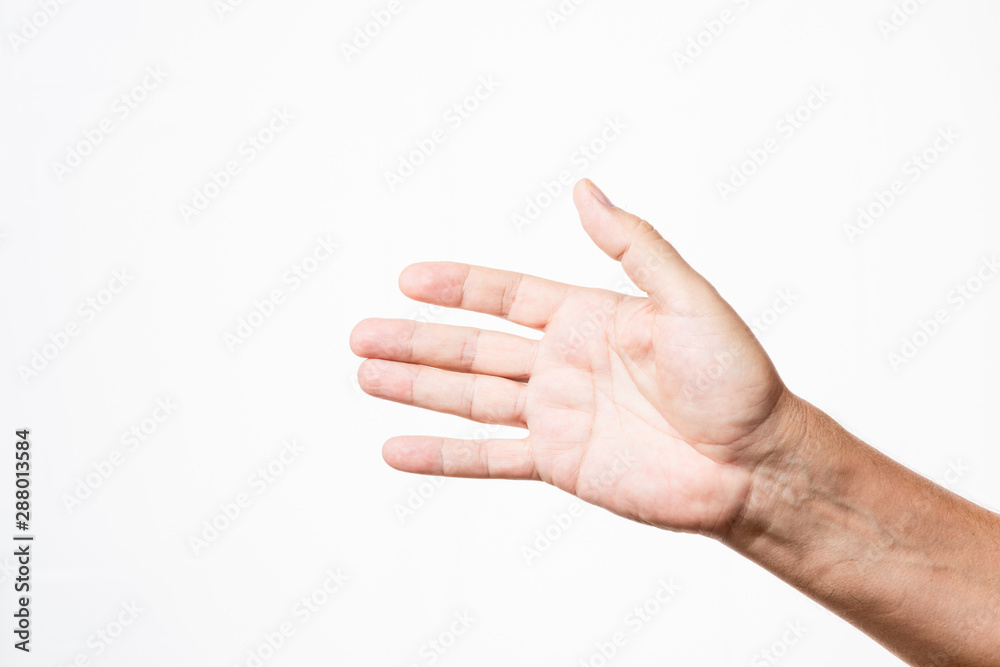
647 258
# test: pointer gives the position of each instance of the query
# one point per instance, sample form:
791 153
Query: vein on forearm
909 562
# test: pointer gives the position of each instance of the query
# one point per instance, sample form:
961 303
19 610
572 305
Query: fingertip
358 339
433 282
583 199
391 453
367 375
406 455
586 191
599 195
384 379
409 276
581 191
601 222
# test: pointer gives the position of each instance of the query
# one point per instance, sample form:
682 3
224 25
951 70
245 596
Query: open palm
655 408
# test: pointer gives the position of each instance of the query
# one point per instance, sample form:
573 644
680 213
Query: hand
656 408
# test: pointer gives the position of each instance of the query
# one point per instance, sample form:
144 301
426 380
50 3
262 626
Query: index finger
516 297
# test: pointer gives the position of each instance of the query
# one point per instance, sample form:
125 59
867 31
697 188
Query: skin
666 410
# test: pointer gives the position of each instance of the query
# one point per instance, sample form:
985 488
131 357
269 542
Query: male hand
666 410
655 408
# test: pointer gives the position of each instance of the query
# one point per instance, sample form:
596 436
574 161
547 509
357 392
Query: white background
337 505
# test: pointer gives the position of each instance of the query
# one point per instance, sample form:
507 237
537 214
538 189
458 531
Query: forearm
910 563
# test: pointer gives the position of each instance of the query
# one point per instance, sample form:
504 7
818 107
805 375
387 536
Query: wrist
872 541
802 461
825 511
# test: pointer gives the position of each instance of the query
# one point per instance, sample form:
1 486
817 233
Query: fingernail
601 197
